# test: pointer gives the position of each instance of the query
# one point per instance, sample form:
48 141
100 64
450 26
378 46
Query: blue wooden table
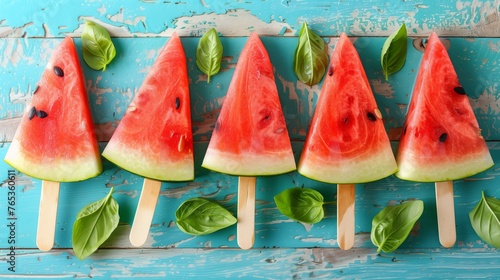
284 249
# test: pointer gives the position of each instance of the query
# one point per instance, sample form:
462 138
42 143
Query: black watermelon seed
41 114
59 72
177 103
217 126
404 130
460 90
443 137
346 120
423 43
32 113
36 89
330 71
371 116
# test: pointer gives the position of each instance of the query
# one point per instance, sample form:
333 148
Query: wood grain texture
346 203
246 212
111 91
278 263
53 18
445 207
272 229
145 211
47 215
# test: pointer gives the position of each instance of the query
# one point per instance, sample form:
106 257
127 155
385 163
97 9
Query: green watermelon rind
249 165
73 170
362 170
134 161
449 171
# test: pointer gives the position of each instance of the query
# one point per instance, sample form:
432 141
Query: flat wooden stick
47 215
346 194
144 212
246 212
446 213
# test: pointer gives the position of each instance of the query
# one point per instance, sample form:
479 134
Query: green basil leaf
391 226
209 53
98 49
199 216
393 54
94 224
485 219
311 57
301 204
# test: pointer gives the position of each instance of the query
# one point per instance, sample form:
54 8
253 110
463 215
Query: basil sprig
209 53
393 55
94 224
301 204
199 216
98 49
311 57
485 219
392 225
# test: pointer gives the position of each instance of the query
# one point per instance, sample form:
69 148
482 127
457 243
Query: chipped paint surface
272 229
110 92
260 264
279 18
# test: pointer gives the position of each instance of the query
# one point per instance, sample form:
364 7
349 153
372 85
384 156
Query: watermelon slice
441 139
250 137
154 137
55 140
347 142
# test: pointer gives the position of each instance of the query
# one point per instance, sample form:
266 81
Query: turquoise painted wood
272 228
262 264
111 91
30 30
235 18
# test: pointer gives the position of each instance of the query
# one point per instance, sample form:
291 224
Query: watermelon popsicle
250 137
55 141
154 138
347 142
441 139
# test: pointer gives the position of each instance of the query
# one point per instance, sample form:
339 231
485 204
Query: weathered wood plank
54 18
111 91
325 263
272 229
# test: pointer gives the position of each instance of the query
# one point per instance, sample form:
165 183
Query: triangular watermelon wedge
55 140
154 138
347 142
441 139
250 137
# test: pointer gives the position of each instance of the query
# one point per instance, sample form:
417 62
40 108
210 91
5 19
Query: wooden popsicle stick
346 194
246 212
47 215
446 213
144 213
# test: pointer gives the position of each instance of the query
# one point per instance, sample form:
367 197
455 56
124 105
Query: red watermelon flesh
55 140
250 137
154 138
347 142
441 139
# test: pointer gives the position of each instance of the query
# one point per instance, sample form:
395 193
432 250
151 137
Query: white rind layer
250 164
361 170
410 169
133 160
59 170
